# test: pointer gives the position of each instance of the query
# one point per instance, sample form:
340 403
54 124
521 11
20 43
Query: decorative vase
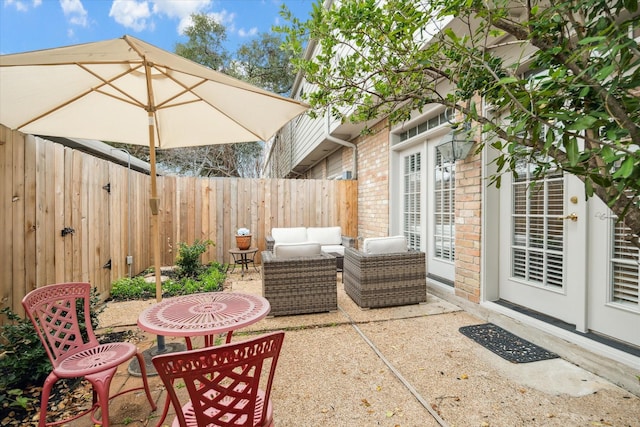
243 242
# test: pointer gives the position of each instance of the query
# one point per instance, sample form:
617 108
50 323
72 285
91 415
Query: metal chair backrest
229 385
52 310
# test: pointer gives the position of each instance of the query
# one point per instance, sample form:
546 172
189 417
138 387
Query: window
625 269
411 200
538 230
444 208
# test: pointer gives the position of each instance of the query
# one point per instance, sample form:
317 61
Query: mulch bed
68 397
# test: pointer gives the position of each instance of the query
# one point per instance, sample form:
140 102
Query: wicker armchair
299 285
384 280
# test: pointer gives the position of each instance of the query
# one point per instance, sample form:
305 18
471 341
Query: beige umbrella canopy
126 90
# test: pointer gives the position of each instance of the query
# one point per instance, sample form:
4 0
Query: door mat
505 344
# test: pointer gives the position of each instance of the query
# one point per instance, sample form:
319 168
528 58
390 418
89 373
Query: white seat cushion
290 235
333 248
384 245
291 250
324 235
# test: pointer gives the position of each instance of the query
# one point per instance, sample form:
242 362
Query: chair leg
44 398
143 372
101 383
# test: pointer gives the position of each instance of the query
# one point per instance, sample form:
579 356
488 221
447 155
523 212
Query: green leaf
573 153
507 80
588 187
589 40
626 169
584 122
605 72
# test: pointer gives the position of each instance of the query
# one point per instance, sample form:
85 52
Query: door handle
572 216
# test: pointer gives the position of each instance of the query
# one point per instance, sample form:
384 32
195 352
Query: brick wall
468 228
373 182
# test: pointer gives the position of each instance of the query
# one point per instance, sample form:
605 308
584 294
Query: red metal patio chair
52 310
228 385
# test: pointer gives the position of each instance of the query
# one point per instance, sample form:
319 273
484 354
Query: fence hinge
107 187
108 264
67 230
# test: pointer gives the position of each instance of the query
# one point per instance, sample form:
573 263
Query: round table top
203 314
242 251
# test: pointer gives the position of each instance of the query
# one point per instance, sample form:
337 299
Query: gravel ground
406 366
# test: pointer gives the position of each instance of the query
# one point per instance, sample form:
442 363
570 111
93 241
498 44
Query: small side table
243 257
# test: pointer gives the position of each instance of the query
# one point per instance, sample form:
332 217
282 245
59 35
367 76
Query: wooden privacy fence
69 216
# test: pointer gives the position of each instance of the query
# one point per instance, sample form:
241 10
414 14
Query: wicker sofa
299 279
388 275
330 238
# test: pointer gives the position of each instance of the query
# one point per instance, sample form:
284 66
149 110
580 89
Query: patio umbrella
126 90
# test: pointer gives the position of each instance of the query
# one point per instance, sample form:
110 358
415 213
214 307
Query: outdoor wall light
455 145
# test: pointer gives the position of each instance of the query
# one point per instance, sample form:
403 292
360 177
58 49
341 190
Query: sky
27 25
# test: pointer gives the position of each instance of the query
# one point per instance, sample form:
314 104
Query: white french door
427 207
441 189
567 258
614 277
541 244
412 198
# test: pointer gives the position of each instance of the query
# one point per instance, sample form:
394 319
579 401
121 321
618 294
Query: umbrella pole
154 203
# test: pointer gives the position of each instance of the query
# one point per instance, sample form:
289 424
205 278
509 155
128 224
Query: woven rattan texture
385 280
299 285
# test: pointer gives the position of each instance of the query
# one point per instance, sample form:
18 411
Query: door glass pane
625 269
537 233
444 209
411 200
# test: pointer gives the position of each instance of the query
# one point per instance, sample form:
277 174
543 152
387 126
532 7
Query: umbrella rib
189 89
56 108
109 83
127 98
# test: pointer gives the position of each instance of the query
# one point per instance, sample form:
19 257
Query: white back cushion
289 250
324 235
384 245
289 234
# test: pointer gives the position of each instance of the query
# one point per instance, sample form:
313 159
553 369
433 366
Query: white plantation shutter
625 269
411 200
444 209
538 233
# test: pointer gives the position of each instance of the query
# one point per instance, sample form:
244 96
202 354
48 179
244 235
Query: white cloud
75 12
138 14
225 18
248 33
22 6
182 10
131 14
179 9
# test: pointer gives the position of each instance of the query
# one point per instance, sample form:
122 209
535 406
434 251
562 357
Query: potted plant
243 238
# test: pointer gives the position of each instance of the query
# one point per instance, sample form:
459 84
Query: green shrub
23 358
132 288
189 258
210 279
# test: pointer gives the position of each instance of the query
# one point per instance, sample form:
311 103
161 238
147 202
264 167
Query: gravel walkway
404 366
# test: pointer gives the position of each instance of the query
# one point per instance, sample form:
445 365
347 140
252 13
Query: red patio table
205 314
